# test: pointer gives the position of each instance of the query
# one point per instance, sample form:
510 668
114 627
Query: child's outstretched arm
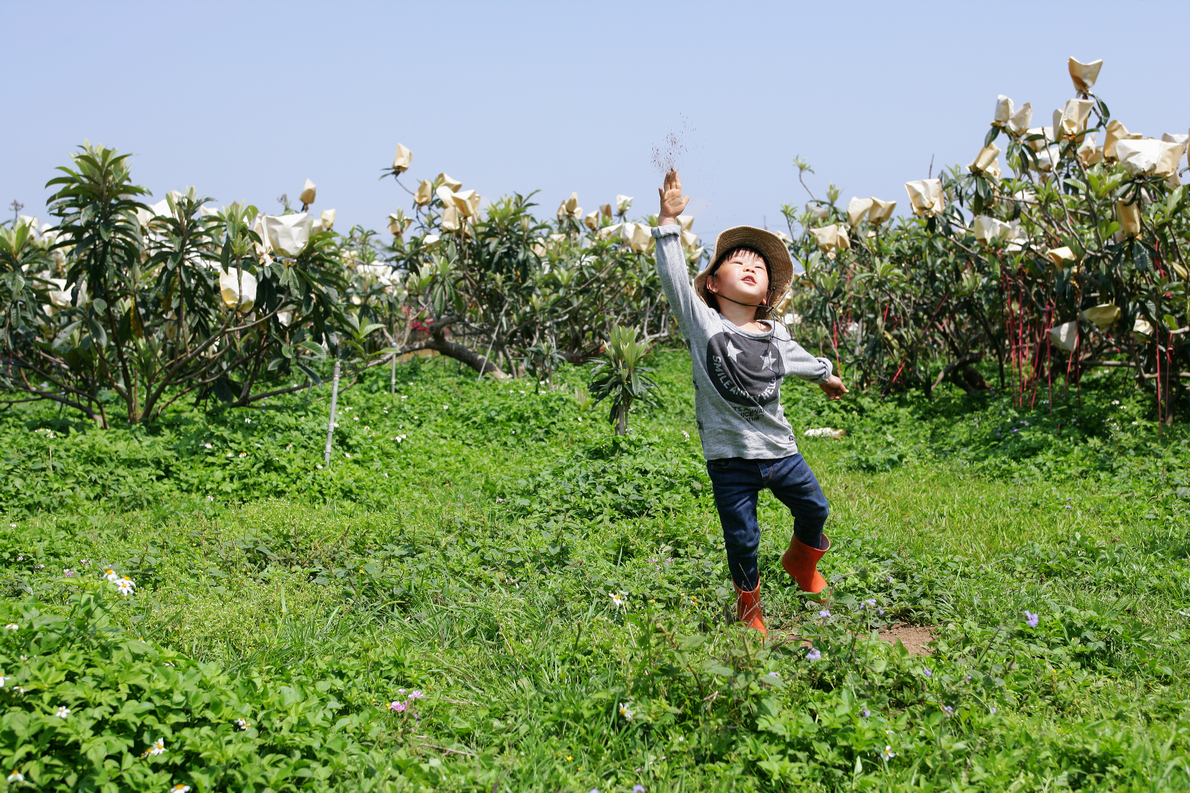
673 203
833 387
688 308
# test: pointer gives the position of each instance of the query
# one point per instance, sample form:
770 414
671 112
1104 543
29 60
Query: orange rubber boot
747 609
801 562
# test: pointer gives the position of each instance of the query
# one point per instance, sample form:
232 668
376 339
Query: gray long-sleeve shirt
737 373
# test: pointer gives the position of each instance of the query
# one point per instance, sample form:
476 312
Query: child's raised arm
673 203
688 308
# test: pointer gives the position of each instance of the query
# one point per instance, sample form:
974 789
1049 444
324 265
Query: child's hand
834 387
672 201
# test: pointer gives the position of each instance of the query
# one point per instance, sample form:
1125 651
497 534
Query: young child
740 357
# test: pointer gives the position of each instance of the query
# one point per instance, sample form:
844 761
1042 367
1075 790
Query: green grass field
467 540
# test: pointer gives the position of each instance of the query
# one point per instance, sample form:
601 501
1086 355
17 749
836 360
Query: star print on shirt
745 371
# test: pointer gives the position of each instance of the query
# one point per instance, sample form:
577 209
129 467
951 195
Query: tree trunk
475 360
963 374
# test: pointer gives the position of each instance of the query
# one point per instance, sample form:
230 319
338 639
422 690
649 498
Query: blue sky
245 101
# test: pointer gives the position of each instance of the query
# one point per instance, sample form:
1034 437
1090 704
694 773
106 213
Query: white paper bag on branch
264 247
570 207
398 223
1102 316
857 210
1071 120
1115 133
1128 216
1061 256
989 230
238 290
986 161
1084 75
308 193
60 297
881 211
1019 121
402 160
466 202
1044 142
327 218
424 194
1047 158
831 239
1142 330
1003 111
451 184
926 196
623 202
1065 336
1088 152
610 232
1150 157
642 238
288 234
445 195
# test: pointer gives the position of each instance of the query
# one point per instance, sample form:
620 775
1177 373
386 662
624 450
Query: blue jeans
737 484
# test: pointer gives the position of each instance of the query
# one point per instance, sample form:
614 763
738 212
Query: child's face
742 277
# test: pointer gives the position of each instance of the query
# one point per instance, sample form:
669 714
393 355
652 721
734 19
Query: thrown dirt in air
667 157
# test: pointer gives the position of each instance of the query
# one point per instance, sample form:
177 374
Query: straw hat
775 254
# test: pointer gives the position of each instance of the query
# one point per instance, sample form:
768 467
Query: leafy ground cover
485 590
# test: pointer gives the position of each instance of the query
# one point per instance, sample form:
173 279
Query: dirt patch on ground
914 637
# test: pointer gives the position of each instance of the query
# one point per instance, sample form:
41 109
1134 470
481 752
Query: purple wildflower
814 654
824 613
398 706
1031 619
926 671
638 789
948 710
68 572
865 713
415 694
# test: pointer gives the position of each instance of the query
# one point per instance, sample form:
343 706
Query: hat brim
770 246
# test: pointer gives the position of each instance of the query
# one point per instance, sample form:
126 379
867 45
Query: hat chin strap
738 303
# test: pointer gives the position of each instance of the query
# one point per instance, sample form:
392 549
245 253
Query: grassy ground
466 543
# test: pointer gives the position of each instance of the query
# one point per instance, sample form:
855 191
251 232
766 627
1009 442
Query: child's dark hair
712 300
